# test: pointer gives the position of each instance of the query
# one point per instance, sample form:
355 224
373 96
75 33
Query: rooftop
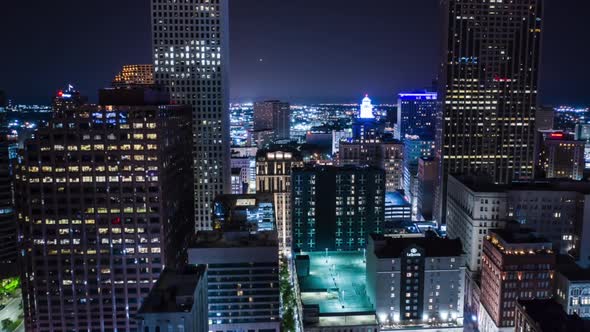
395 198
394 247
481 183
234 239
549 316
573 272
174 291
337 283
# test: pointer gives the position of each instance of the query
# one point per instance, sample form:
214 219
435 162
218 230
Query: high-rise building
560 156
273 176
416 280
414 149
274 115
384 152
427 171
488 91
242 279
67 100
133 75
336 208
517 264
177 302
545 118
397 211
103 204
365 126
416 115
8 230
190 53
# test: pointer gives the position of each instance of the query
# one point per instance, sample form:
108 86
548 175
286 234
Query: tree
7 324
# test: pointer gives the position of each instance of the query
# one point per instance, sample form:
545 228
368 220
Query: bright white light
382 317
444 315
367 108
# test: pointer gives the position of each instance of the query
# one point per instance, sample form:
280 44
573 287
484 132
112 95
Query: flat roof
337 283
174 291
394 247
234 239
394 198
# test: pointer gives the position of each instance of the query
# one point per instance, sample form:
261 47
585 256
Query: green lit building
336 208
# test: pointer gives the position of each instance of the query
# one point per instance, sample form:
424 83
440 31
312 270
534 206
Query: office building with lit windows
382 152
416 115
273 176
560 156
274 115
8 230
190 53
242 278
336 208
416 282
516 265
103 199
488 90
133 75
546 315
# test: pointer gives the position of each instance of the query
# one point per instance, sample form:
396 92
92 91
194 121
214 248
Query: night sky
311 50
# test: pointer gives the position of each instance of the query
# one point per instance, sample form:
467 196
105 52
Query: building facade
336 208
572 289
103 204
133 75
416 281
273 176
427 175
561 156
516 265
177 302
416 115
190 54
274 115
488 90
546 315
8 229
242 279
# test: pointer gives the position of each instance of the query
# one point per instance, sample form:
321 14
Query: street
12 311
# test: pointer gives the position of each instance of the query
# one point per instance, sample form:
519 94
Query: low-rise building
572 289
333 292
177 302
545 316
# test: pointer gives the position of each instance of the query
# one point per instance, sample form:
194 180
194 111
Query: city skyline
401 58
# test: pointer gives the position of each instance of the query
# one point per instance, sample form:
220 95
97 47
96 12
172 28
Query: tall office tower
103 199
517 264
545 118
416 115
336 208
274 115
242 278
190 45
488 90
365 126
381 152
414 149
132 75
273 176
8 231
560 156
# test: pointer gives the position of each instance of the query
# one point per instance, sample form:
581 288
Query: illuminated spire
367 108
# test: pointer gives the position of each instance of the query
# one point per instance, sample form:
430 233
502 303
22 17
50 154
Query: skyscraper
416 115
489 82
8 233
274 115
102 193
190 53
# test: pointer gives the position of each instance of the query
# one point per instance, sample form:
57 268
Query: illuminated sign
246 202
413 253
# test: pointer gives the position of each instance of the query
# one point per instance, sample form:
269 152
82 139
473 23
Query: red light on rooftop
556 135
60 93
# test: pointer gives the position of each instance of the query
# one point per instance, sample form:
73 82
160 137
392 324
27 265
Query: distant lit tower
190 53
8 231
274 115
416 115
365 126
488 92
135 75
67 100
